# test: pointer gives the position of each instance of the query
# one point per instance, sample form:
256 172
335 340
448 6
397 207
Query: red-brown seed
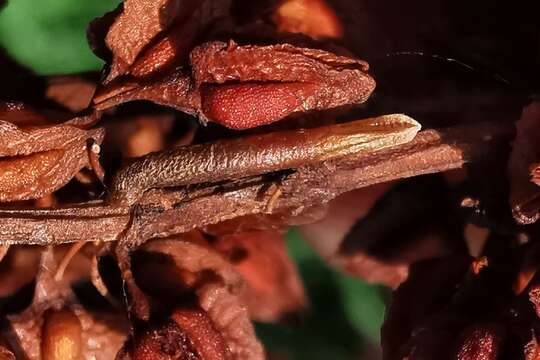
243 106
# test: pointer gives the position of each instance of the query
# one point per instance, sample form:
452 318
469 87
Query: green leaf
49 36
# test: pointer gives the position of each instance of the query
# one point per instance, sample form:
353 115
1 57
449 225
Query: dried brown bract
188 333
274 289
143 37
37 160
189 269
242 87
248 86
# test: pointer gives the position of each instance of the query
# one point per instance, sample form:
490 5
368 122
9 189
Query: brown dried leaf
274 287
524 194
173 89
139 22
274 82
217 286
73 92
36 161
145 37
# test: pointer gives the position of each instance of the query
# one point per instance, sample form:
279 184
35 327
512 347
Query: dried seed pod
61 336
248 86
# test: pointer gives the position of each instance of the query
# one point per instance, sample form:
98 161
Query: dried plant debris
193 269
56 325
242 87
274 81
35 161
217 124
274 289
143 37
525 193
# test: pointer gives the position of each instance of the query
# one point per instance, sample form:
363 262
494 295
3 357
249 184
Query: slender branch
167 212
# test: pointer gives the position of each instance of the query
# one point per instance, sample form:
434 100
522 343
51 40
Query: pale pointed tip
407 119
402 119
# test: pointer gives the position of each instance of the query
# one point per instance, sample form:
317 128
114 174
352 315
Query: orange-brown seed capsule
61 336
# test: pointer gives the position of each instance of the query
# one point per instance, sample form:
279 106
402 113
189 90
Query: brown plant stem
164 212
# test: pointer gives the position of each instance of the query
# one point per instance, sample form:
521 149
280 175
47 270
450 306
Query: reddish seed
244 106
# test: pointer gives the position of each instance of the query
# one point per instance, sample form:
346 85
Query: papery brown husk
218 288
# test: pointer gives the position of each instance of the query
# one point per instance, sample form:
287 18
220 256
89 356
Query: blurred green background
49 36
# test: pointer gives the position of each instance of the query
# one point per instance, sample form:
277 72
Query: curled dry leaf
136 25
218 289
36 161
150 43
274 288
314 18
174 89
327 235
146 36
524 194
248 86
